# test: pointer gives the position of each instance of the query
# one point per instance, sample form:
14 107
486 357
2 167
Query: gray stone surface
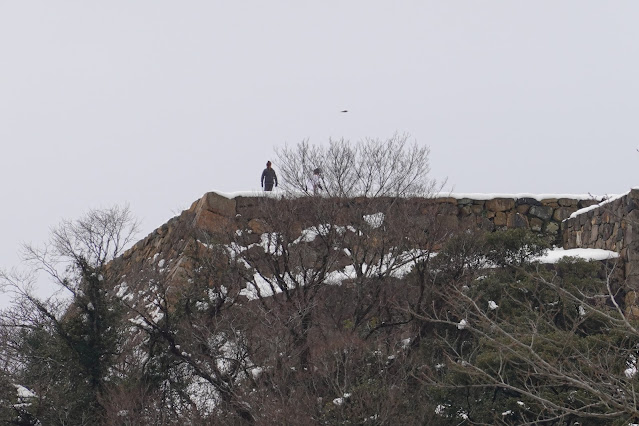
542 212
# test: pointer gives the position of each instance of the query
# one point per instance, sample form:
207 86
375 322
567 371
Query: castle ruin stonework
575 222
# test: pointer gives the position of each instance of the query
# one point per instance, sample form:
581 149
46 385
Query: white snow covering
553 256
336 277
24 393
277 193
269 243
631 371
491 196
606 200
338 401
257 372
440 409
121 292
24 397
259 286
374 220
203 394
462 324
395 264
309 234
201 306
342 400
220 292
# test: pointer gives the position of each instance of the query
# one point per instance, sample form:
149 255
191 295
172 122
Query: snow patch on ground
555 255
24 393
269 242
342 400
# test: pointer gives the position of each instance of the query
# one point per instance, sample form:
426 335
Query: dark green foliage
460 258
66 353
68 362
515 247
542 342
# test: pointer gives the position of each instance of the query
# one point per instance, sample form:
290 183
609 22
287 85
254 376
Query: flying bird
345 110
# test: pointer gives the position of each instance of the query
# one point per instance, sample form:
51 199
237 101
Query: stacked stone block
610 226
214 212
544 215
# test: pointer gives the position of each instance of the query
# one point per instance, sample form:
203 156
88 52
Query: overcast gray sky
155 102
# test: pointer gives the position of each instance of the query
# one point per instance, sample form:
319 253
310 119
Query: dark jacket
269 177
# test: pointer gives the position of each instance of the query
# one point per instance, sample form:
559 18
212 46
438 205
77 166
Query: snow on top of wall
491 196
458 195
608 199
231 195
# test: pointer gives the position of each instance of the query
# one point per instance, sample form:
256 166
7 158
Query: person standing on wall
268 177
316 181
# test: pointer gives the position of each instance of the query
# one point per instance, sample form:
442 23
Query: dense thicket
352 320
322 310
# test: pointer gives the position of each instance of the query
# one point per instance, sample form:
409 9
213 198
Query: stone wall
611 225
539 215
215 212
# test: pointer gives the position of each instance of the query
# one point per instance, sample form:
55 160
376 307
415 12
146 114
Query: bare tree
372 168
64 347
325 276
89 242
192 328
